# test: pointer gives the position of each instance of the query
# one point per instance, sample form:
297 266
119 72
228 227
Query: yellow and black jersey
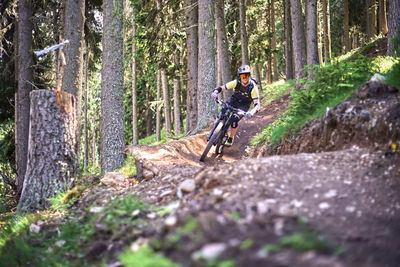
243 94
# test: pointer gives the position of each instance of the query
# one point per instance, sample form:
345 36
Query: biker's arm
256 100
227 86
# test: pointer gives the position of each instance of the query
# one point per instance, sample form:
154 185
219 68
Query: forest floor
328 208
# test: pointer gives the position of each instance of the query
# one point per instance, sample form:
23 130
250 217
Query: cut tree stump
52 160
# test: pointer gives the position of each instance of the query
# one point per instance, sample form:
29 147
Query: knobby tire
210 142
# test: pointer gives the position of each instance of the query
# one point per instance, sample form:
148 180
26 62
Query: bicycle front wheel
211 141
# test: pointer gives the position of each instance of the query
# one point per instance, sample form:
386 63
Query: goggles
244 75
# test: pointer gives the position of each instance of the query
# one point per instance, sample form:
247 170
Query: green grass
332 84
18 246
145 257
275 91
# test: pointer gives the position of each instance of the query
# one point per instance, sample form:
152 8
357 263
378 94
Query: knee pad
235 121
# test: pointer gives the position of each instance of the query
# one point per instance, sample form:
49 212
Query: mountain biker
245 92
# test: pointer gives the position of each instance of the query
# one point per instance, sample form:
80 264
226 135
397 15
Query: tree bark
166 104
207 109
51 152
347 44
275 74
223 50
73 70
134 97
288 42
299 43
86 122
371 19
25 78
158 107
382 17
192 44
112 89
312 33
177 102
393 27
243 33
327 31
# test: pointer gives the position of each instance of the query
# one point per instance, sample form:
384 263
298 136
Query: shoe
229 142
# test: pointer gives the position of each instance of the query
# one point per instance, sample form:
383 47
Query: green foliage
64 200
330 85
276 90
145 257
393 74
305 241
128 169
246 244
18 246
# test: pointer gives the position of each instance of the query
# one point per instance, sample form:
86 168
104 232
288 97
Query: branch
51 48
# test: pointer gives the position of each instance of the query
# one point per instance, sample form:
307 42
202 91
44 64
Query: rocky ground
334 201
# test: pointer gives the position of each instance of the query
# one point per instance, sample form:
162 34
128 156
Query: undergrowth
331 84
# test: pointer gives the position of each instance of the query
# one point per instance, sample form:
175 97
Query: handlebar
223 103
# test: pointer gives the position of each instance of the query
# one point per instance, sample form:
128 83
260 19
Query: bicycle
219 133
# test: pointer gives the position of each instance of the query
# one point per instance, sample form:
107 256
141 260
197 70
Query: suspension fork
213 129
224 129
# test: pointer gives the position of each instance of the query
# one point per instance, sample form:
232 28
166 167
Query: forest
95 92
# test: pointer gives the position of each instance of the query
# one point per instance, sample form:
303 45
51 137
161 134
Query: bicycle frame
219 137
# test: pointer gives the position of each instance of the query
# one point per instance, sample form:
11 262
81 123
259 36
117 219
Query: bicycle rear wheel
211 141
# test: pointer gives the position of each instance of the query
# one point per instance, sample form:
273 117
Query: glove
214 95
248 114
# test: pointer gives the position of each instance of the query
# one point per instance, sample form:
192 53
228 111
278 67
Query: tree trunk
134 97
288 42
299 43
86 137
347 44
223 50
393 27
72 77
166 104
192 44
148 113
371 19
25 78
275 74
51 153
312 37
327 31
112 87
207 109
243 33
158 107
61 61
177 102
269 56
382 17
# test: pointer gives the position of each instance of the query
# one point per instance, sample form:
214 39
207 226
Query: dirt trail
345 203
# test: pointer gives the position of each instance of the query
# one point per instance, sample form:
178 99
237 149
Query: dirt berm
335 201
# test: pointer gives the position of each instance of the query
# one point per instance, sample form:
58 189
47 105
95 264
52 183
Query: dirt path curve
344 204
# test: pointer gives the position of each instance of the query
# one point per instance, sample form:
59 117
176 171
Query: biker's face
244 77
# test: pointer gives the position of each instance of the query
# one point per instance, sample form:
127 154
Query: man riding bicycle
245 92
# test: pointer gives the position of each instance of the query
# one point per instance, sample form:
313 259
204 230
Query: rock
33 228
60 243
324 205
187 186
350 209
171 221
210 251
113 179
330 194
96 209
365 115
